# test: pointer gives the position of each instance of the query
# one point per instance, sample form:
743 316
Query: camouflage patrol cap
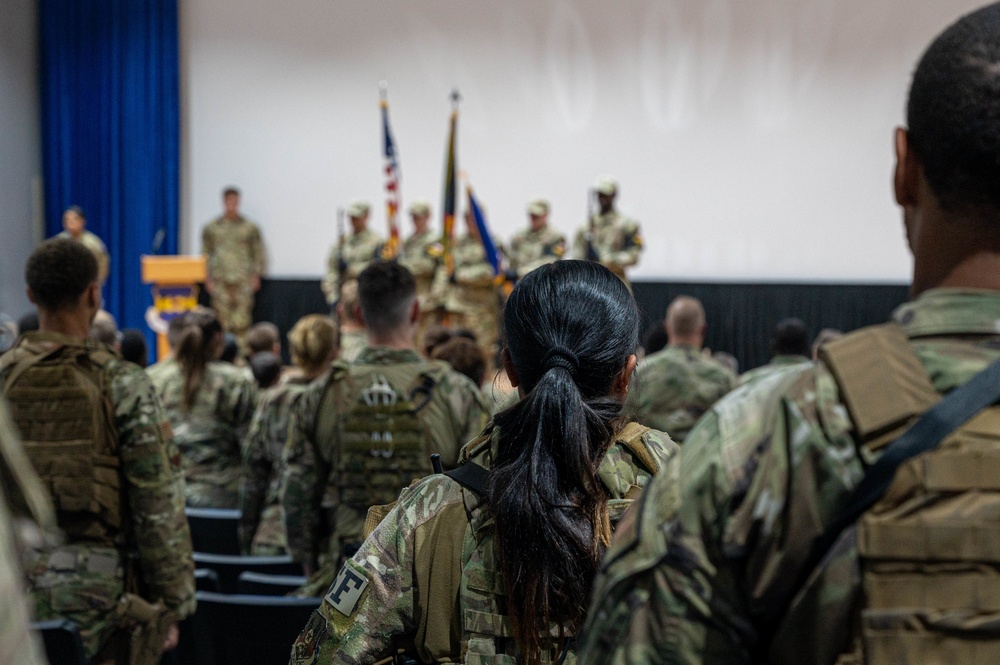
606 185
538 207
420 208
358 209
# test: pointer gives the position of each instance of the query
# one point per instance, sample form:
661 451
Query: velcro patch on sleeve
166 431
347 589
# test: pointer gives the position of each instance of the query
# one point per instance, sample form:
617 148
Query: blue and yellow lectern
175 282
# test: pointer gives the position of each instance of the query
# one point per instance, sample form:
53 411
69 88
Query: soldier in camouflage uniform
470 298
25 515
210 404
705 570
677 385
538 244
368 430
609 238
75 227
96 434
352 254
313 345
236 261
431 579
421 254
789 347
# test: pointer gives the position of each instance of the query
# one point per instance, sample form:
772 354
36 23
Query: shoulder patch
347 589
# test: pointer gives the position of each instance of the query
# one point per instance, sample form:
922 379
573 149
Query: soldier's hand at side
255 283
173 634
210 286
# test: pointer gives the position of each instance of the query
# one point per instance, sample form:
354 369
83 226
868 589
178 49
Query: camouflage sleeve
709 559
237 404
301 490
331 280
257 469
258 255
628 255
370 612
207 241
154 486
439 287
469 415
580 245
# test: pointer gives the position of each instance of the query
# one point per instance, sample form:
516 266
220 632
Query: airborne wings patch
347 589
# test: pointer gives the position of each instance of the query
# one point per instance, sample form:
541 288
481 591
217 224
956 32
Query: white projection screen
752 138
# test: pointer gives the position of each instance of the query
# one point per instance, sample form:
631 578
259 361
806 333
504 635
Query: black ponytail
198 343
570 328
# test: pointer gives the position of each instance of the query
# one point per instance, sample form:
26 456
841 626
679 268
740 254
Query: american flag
391 183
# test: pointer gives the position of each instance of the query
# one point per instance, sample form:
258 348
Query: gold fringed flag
450 192
391 249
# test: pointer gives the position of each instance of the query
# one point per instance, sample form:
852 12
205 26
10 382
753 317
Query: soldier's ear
415 311
508 366
31 296
906 176
620 387
358 316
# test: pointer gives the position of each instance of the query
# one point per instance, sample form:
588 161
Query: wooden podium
175 282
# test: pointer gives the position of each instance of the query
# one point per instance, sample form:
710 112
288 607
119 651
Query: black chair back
214 530
262 584
241 629
229 568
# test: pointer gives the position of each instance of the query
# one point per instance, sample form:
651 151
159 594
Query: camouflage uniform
421 255
777 364
23 497
531 249
471 297
210 435
454 414
614 241
262 529
673 387
695 578
235 254
359 250
425 580
83 580
97 248
352 343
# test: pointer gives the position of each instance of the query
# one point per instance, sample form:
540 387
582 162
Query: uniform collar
38 338
950 312
381 355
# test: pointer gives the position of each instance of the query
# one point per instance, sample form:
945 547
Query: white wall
20 152
752 138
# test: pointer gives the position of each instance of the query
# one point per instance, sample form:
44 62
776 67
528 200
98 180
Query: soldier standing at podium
235 253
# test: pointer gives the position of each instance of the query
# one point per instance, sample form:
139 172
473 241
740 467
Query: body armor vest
930 548
373 413
59 401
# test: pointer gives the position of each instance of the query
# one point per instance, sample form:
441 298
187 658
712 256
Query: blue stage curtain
110 131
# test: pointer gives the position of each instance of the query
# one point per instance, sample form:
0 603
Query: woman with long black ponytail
493 563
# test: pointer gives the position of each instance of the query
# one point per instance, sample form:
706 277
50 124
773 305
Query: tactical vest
930 548
485 625
60 403
373 413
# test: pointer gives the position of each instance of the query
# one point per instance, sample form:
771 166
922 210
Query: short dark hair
230 190
59 271
76 210
790 338
386 291
134 347
266 368
953 114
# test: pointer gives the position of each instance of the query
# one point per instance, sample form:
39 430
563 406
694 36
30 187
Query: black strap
953 411
471 476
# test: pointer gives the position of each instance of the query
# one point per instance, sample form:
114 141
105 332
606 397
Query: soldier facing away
210 404
677 385
369 429
493 563
610 238
726 567
96 435
789 347
313 343
538 244
236 260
